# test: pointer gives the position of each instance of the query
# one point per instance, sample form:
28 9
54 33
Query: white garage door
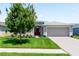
57 31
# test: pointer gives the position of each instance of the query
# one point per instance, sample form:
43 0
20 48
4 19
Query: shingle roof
56 23
44 23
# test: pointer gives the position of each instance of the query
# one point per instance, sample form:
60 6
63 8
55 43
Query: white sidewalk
28 50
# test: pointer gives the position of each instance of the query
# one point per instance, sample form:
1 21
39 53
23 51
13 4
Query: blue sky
59 12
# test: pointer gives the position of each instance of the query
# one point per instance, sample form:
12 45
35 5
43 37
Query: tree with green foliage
20 19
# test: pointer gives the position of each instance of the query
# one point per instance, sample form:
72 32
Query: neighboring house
3 28
47 29
76 29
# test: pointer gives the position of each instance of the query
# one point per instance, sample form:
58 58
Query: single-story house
47 29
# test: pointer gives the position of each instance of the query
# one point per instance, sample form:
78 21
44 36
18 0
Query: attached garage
57 31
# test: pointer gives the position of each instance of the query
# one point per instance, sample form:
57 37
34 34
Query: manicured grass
30 54
75 36
28 43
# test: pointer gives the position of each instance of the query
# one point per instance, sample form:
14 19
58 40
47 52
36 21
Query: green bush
28 36
12 35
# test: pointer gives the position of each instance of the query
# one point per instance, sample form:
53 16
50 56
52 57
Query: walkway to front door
69 44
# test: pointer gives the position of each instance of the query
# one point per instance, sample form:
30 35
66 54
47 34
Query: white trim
32 32
45 30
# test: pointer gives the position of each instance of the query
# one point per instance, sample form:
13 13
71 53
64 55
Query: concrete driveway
69 44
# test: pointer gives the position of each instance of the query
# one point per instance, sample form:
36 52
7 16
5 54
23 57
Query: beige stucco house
47 29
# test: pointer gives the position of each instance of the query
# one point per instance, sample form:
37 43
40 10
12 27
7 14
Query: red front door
37 31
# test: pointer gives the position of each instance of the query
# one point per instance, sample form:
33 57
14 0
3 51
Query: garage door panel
52 31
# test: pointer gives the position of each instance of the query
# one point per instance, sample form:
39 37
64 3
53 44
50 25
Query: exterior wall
70 31
32 32
45 30
41 30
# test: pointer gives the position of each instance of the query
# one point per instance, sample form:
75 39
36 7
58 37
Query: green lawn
30 54
29 43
